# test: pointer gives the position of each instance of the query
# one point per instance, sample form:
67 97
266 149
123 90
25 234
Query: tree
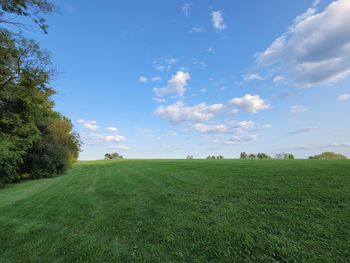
35 140
329 156
189 157
286 156
251 156
34 9
110 156
243 155
262 156
54 152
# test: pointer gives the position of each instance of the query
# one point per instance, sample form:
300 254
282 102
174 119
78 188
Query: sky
167 79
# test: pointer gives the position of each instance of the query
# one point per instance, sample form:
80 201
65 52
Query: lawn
181 210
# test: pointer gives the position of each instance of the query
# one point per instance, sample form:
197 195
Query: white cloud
90 125
217 20
122 147
114 138
253 76
204 128
241 139
266 126
197 29
250 103
210 49
343 97
179 112
297 108
111 129
159 100
143 79
186 8
315 50
177 84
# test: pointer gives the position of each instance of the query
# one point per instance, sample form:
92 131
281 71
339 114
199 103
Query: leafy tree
220 157
9 160
286 156
262 156
110 156
243 155
55 151
34 9
189 157
329 156
251 156
36 141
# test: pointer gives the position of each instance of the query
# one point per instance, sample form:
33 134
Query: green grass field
179 210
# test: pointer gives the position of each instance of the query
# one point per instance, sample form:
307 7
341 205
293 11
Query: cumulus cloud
250 103
111 129
178 112
114 138
204 128
176 85
217 20
90 125
343 97
315 50
228 127
297 108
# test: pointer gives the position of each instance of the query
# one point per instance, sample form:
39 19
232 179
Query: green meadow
181 210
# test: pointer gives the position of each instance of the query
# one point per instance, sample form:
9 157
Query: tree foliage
111 156
36 141
34 9
329 156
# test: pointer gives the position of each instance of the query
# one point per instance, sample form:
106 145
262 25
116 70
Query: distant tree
291 156
211 157
329 156
243 155
219 157
251 156
279 156
110 156
189 157
262 156
286 156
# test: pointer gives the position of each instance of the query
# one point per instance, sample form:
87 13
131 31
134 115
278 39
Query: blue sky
164 79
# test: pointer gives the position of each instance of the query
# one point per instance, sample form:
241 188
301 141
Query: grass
181 210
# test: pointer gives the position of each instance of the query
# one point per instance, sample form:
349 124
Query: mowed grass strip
181 210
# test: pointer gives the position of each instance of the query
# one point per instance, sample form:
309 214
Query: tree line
35 140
